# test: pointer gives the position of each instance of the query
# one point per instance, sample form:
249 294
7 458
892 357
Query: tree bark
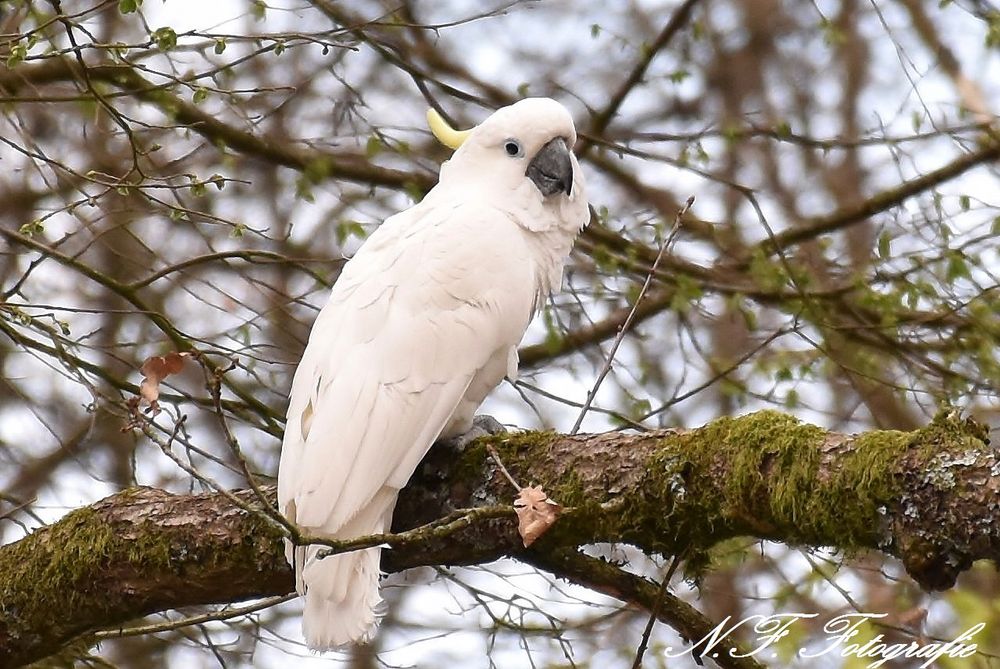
929 497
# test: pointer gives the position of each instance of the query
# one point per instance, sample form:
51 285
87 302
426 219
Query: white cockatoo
422 324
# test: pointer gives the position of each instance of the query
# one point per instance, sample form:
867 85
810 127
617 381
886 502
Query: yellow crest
445 133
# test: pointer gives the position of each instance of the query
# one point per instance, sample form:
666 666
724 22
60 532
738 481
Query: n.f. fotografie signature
840 634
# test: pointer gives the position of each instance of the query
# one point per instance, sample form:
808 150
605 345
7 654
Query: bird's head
524 149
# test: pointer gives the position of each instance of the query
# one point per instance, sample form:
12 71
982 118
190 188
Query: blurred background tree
191 176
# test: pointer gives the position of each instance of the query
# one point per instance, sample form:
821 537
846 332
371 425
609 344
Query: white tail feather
341 591
342 600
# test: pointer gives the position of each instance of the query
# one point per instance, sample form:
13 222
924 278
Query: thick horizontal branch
928 497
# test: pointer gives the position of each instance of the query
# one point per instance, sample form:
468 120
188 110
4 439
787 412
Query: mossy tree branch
929 497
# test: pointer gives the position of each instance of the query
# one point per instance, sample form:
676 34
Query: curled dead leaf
154 369
535 513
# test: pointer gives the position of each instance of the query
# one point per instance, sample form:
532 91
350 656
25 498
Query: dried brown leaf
535 513
155 369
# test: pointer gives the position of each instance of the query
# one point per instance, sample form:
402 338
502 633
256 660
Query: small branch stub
536 513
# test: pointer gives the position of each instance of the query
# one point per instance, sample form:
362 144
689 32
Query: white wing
432 304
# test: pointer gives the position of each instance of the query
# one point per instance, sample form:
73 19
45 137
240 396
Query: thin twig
496 458
655 613
442 527
631 316
213 382
671 28
602 576
166 447
225 613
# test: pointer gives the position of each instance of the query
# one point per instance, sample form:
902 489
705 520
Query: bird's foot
439 464
482 426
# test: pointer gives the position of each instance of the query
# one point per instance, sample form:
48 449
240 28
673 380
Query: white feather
421 325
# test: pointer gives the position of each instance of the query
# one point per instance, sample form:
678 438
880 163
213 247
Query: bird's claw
483 425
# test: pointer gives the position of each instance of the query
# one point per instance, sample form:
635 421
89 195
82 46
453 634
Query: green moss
761 474
262 539
59 568
562 484
571 490
765 475
947 443
950 429
512 447
870 461
774 482
470 463
760 442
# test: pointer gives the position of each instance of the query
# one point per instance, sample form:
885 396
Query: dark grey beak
551 169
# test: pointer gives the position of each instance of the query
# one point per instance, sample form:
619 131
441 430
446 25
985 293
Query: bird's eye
513 148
